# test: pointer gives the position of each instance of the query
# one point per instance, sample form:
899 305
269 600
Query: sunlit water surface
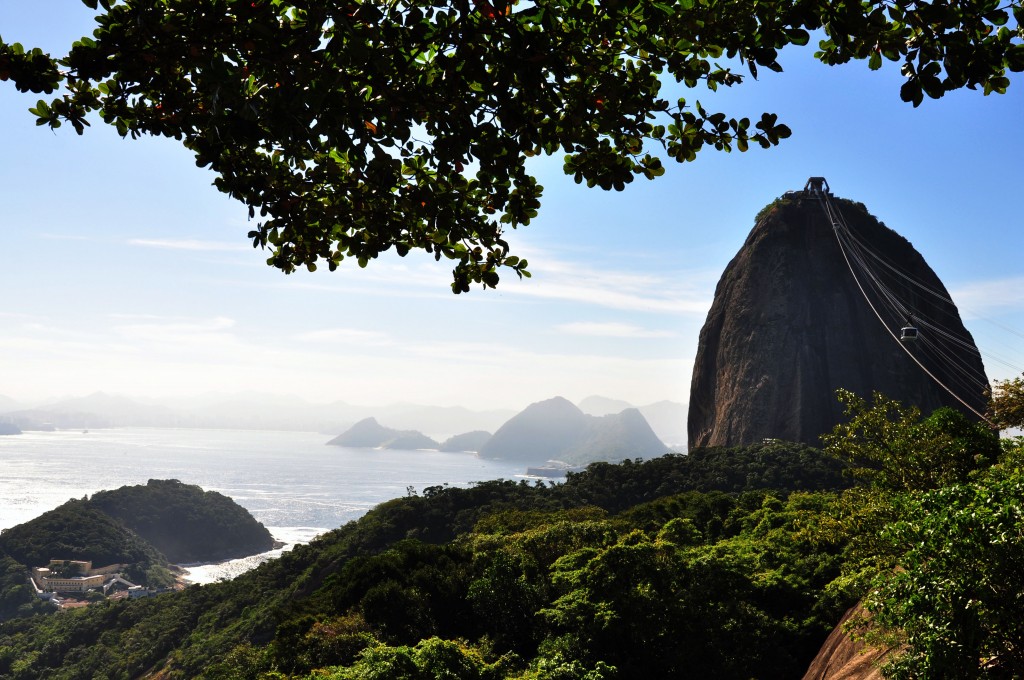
290 481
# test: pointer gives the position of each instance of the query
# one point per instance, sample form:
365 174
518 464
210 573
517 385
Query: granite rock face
843 658
789 325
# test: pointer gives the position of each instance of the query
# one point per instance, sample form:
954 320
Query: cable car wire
840 229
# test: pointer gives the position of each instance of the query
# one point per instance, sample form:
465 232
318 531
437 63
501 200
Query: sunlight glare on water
292 482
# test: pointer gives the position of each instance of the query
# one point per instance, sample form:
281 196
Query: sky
124 270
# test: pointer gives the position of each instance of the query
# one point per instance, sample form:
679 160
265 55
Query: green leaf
911 92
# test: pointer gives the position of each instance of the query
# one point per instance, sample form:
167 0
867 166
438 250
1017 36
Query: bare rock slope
844 658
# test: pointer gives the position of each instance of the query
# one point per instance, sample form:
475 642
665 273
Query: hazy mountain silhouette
248 411
368 433
468 441
596 405
666 418
556 429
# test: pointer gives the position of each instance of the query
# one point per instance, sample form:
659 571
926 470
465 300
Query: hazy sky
124 270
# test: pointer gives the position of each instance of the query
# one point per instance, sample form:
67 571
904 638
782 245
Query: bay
292 482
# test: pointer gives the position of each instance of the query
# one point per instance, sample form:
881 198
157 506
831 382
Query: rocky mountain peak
814 301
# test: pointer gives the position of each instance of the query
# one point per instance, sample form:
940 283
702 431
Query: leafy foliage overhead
354 127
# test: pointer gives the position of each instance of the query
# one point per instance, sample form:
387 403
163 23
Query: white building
47 580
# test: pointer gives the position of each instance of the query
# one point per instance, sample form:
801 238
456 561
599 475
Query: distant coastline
285 479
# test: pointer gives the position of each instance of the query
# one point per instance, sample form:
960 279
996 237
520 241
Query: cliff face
789 325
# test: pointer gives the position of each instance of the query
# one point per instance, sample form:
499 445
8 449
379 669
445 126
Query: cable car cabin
908 333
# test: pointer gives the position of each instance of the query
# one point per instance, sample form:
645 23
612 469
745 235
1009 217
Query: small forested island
9 428
136 532
368 433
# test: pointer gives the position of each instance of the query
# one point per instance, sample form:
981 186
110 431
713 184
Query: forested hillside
144 528
184 522
728 563
74 531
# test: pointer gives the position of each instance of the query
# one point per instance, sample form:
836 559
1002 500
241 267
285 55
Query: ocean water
290 481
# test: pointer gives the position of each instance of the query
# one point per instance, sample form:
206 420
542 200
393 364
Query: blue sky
125 271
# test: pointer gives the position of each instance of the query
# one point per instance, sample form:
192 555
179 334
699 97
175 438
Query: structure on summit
823 296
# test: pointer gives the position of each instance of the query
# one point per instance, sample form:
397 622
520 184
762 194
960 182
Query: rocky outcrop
844 658
556 429
789 325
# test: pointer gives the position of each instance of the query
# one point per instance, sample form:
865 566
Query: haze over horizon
200 399
126 272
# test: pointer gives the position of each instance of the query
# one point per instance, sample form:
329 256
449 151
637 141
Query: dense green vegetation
75 531
140 527
184 522
1007 403
734 563
16 597
441 564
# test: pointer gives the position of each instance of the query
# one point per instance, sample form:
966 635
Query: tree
893 448
954 603
354 127
1006 404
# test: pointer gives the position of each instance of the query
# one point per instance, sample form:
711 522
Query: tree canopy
895 448
351 127
1006 403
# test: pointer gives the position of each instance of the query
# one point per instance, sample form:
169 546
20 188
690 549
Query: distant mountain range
554 429
468 441
273 412
243 412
